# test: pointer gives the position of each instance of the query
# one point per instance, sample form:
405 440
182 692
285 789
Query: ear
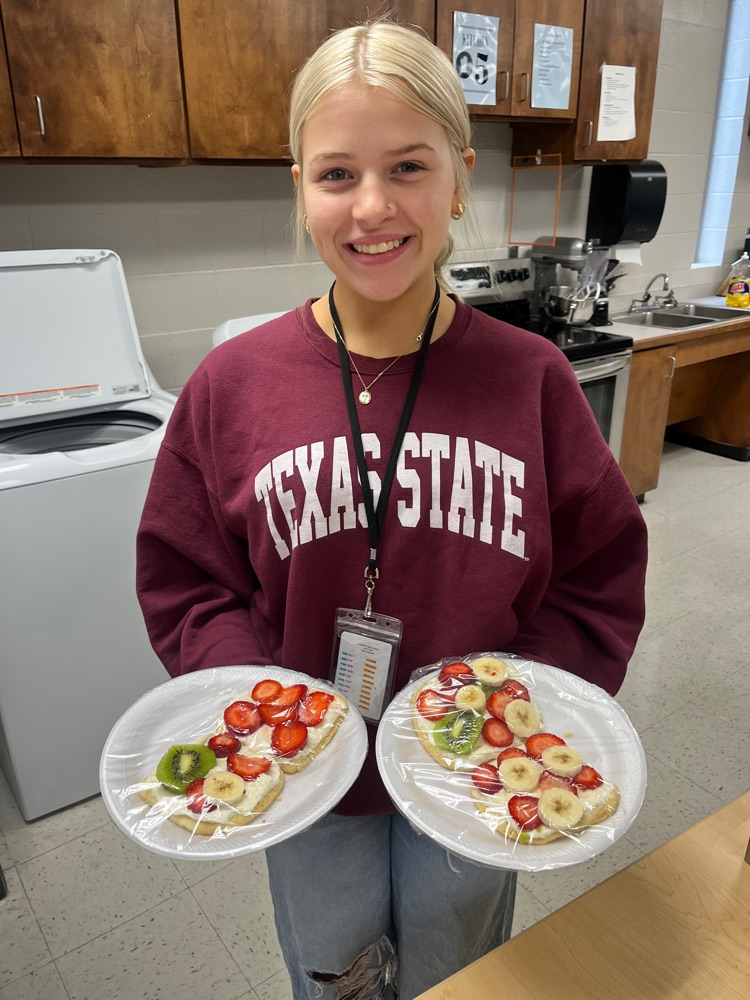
295 173
470 157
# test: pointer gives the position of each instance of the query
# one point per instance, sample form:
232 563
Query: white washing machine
81 421
233 327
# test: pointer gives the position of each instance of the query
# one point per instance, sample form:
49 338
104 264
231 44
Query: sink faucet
659 301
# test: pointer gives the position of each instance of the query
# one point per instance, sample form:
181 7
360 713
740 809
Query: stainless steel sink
669 319
711 312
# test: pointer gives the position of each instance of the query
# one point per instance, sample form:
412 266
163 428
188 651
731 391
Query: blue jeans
367 908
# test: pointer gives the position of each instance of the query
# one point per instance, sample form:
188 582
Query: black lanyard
375 517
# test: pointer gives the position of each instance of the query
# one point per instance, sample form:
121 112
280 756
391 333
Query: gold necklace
365 396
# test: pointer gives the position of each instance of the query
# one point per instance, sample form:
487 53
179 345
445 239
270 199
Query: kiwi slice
458 732
182 764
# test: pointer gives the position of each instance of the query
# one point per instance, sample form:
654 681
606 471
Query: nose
371 204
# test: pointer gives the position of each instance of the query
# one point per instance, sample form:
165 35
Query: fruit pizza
235 773
530 785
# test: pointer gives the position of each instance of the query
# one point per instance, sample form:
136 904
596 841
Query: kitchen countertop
673 926
653 337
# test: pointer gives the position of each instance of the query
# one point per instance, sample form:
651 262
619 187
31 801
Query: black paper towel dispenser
626 202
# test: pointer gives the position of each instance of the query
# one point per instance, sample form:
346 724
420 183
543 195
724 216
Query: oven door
604 382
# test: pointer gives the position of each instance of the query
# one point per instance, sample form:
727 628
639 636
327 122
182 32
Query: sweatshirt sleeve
194 580
593 610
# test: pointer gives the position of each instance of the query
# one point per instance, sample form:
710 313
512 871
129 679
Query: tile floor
90 916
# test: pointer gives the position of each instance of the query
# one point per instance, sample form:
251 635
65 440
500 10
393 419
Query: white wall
202 244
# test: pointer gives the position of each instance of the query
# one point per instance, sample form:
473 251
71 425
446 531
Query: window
727 135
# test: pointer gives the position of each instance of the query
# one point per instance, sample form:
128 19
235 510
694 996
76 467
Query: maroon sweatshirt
509 526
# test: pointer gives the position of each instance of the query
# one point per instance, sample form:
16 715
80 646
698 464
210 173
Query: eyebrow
412 147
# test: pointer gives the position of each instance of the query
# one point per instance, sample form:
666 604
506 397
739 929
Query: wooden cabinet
517 19
615 33
239 60
649 388
696 387
96 80
9 145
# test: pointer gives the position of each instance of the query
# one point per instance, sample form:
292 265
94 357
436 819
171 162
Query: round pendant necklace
365 396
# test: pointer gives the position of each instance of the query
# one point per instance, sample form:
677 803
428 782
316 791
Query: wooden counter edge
734 816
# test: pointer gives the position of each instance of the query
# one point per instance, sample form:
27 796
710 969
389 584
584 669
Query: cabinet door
239 58
528 14
505 11
344 13
618 33
96 79
649 389
8 133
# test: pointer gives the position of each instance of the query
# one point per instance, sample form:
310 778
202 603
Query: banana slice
522 718
471 697
560 808
564 761
225 786
520 774
490 670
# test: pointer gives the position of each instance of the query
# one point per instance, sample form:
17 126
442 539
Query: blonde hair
401 61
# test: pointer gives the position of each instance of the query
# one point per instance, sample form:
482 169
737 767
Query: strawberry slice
313 707
267 690
511 752
496 733
538 743
273 714
223 744
248 768
508 691
487 779
242 718
525 811
196 800
433 705
588 778
549 780
454 674
288 738
291 695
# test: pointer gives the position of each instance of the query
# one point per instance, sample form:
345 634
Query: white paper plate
183 710
437 801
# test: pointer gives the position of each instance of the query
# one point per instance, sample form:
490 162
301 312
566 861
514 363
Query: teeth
377 247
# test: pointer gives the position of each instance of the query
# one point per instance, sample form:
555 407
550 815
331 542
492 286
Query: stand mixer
578 299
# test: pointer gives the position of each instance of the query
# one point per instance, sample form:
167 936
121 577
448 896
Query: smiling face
378 186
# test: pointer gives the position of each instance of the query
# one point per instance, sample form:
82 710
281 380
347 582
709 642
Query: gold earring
459 213
304 222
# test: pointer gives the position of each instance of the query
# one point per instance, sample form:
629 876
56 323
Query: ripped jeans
367 908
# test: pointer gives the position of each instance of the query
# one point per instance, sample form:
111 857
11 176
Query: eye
408 167
337 174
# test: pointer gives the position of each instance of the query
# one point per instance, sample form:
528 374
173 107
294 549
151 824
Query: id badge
364 658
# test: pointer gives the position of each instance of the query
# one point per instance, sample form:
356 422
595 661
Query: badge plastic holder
364 658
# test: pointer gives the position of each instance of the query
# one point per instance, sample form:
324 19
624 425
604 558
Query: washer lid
68 339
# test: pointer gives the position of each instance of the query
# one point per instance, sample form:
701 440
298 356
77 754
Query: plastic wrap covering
289 757
576 793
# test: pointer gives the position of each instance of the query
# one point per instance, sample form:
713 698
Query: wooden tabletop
675 924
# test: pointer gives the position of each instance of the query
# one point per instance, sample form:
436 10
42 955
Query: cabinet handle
506 74
42 129
674 365
590 135
526 87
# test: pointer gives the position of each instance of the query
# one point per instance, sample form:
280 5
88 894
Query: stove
600 359
503 289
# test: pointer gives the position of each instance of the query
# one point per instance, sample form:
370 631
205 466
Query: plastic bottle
738 291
